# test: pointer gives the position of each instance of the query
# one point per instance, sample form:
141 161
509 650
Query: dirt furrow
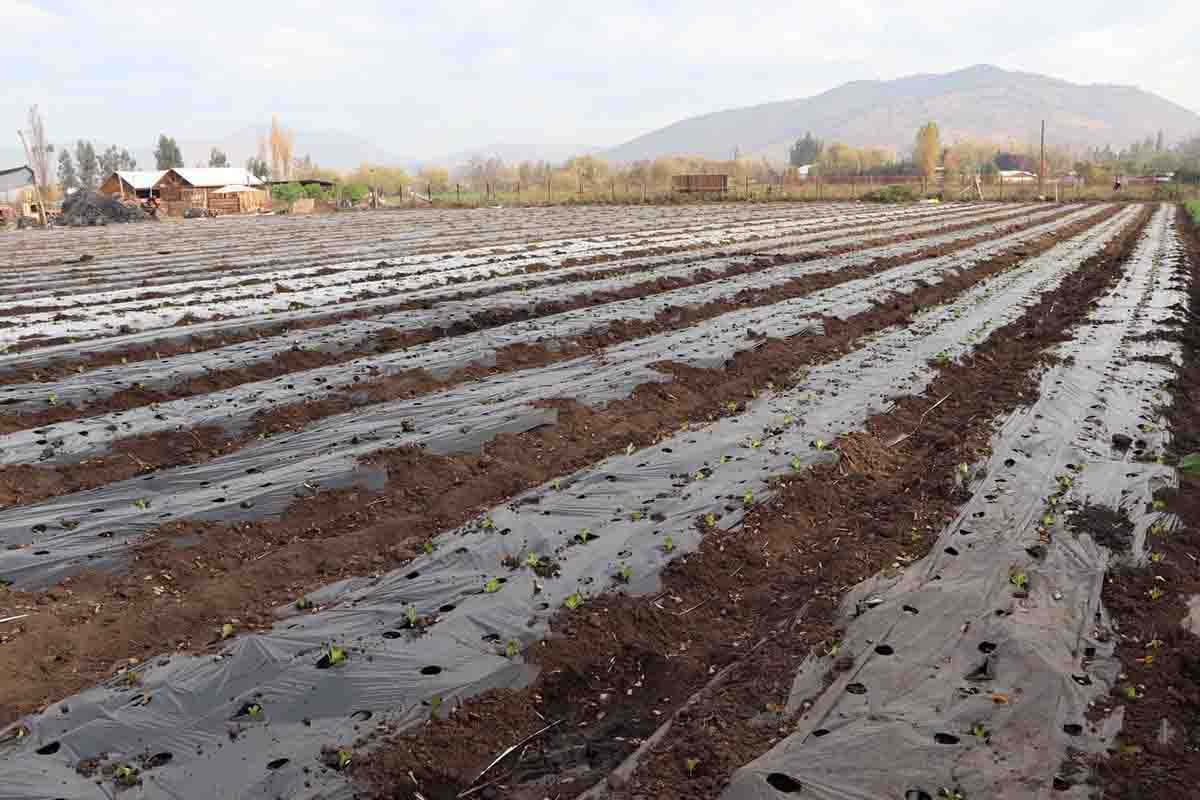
79 630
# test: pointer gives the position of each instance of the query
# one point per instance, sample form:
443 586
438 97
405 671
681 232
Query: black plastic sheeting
51 539
149 321
617 512
444 314
935 642
234 407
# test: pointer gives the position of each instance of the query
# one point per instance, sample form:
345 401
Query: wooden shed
182 188
129 184
716 184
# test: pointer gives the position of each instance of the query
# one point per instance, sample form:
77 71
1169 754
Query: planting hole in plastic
784 783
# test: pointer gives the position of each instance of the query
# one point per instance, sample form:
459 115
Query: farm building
700 183
1017 176
207 188
127 184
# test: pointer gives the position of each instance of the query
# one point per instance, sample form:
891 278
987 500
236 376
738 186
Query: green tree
287 193
115 159
67 176
806 150
928 148
167 155
89 167
258 167
217 159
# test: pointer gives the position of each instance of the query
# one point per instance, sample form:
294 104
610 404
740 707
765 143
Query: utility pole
1042 171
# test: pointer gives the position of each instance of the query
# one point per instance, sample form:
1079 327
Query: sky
424 79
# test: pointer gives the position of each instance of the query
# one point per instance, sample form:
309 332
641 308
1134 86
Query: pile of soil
88 208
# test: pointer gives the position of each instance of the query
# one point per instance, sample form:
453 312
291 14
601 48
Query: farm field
826 500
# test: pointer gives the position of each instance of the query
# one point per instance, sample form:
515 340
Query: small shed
236 200
131 183
700 183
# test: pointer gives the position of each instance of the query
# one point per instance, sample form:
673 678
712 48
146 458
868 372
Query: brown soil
386 342
35 484
80 631
1159 658
763 597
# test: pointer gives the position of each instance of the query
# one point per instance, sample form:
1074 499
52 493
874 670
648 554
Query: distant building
130 184
1017 176
222 190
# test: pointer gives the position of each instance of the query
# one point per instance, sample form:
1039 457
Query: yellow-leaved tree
928 148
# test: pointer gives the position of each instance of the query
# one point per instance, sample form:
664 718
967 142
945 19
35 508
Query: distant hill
981 102
515 153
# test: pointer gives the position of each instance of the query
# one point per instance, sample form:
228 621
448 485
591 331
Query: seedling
979 731
1155 594
254 711
635 516
1048 519
510 649
125 775
748 498
691 764
573 601
428 548
668 544
1159 505
623 573
556 485
492 586
951 794
710 520
333 656
410 616
725 459
141 504
732 406
303 604
227 630
532 561
1019 579
797 464
343 759
833 649
584 536
629 449
819 444
488 524
52 399
1156 557
1131 692
942 357
1190 464
755 444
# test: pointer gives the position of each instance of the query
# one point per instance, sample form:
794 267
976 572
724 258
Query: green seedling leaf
573 601
255 711
410 616
635 516
532 561
584 536
141 504
1048 519
488 524
125 775
510 649
303 604
755 444
668 544
710 520
732 406
334 655
1131 692
1019 579
428 548
227 630
1190 464
1159 505
797 464
624 572
1155 594
691 764
492 586
629 449
725 459
344 759
748 498
819 444
52 399
556 485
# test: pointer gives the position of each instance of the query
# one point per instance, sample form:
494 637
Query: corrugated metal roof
141 180
207 177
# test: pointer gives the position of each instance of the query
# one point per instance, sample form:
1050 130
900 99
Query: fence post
458 191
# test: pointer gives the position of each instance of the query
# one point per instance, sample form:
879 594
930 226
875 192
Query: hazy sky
424 79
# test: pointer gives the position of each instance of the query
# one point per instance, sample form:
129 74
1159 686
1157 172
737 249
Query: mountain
515 153
980 102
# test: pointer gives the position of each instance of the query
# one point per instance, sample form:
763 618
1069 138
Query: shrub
892 194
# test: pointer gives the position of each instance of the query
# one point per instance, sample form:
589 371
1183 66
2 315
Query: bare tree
39 149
